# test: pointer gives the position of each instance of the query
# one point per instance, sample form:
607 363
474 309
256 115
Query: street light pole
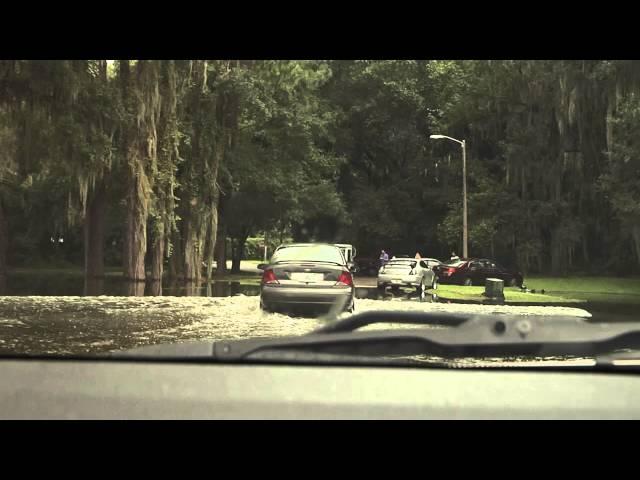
465 231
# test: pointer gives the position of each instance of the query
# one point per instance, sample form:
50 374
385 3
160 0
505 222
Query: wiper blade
354 322
475 336
462 336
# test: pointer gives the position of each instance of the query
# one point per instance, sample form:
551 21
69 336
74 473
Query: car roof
311 244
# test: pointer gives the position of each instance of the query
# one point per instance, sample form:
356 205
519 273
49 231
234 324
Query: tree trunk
221 240
4 240
140 96
237 254
135 239
94 235
210 243
221 253
176 261
235 259
157 254
192 248
635 233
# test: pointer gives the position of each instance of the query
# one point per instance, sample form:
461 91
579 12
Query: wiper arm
464 336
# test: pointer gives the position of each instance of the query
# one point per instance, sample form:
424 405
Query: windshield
143 202
396 262
314 253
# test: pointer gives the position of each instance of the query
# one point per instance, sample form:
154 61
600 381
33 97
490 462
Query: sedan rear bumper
398 280
282 295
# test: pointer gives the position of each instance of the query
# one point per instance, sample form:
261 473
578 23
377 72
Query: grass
594 289
512 295
610 285
559 289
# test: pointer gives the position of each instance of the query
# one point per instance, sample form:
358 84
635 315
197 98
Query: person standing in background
384 258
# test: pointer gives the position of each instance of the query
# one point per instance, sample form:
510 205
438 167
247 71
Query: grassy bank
559 290
595 289
511 295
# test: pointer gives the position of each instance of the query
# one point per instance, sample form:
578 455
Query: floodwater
47 314
60 284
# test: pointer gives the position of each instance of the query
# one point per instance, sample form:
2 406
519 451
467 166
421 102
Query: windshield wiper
459 335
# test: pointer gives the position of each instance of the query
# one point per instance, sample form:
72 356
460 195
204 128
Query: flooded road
46 313
85 325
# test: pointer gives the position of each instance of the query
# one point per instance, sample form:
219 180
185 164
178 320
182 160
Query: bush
254 250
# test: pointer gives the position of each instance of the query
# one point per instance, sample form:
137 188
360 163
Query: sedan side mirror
262 266
352 267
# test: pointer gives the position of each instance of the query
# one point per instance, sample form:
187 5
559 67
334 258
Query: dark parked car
367 266
306 274
475 271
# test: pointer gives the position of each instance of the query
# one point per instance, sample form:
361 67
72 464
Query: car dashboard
123 389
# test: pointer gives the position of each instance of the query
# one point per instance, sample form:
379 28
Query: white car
408 272
432 262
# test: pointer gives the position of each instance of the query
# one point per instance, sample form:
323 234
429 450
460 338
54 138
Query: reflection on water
61 284
411 295
93 286
154 288
134 289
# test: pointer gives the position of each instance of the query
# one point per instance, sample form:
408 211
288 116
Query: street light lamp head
436 136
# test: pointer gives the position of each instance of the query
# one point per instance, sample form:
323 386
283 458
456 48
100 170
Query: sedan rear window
310 253
402 262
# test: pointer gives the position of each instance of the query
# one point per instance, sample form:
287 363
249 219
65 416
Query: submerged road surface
85 325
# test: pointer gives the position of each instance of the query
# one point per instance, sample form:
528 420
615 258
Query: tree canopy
159 164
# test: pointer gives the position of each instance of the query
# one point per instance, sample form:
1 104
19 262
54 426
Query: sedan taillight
269 277
448 271
345 278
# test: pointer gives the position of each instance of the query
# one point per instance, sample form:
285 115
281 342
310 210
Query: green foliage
332 150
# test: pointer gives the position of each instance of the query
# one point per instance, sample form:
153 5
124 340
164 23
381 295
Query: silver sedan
407 272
